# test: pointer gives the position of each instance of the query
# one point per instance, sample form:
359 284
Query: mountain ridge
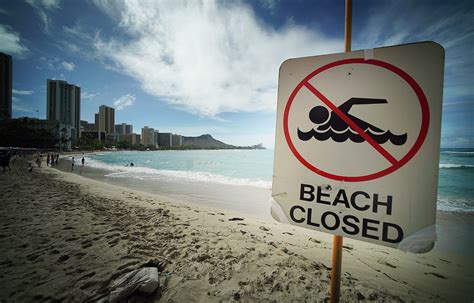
207 141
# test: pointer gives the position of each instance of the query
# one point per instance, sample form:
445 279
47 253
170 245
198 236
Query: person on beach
47 160
72 164
38 161
30 167
5 161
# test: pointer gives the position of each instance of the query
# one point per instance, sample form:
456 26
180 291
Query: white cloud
87 96
60 77
124 101
68 65
22 92
41 7
205 57
47 4
20 106
269 5
10 42
57 64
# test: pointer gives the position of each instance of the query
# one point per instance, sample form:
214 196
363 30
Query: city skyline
223 83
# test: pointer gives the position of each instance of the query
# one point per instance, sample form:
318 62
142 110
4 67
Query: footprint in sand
86 244
80 255
436 275
114 242
32 257
63 258
235 219
89 284
87 276
386 264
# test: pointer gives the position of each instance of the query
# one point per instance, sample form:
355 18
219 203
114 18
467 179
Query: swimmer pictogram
337 123
331 125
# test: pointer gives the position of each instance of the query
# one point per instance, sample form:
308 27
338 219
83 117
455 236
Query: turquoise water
456 180
255 168
233 167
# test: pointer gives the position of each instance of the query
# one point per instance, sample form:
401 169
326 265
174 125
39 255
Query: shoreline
66 236
453 228
250 200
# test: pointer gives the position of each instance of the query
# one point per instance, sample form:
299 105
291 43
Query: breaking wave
145 173
448 165
455 204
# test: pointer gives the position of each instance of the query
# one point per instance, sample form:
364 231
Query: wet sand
65 237
252 201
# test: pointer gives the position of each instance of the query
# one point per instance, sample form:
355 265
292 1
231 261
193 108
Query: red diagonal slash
351 123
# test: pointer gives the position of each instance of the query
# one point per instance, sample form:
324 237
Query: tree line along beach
66 236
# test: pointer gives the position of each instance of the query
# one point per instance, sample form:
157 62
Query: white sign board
357 144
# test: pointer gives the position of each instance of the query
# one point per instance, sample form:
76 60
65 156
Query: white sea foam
145 173
457 152
450 165
455 204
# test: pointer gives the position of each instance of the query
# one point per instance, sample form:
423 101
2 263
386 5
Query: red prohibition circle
425 120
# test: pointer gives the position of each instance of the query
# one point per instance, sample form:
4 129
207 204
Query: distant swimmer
131 164
332 126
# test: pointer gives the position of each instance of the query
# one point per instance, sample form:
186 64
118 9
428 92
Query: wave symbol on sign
334 127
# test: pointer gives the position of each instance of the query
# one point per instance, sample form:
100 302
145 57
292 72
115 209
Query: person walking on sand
5 161
47 160
83 161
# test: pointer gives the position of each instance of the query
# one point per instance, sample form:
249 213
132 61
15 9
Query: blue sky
197 67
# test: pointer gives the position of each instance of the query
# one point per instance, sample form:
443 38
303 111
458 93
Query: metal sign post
337 240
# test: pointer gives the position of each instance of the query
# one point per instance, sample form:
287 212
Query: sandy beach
65 237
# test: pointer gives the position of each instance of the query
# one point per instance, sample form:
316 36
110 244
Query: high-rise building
105 119
148 136
86 126
64 104
177 140
5 86
156 137
129 129
96 121
132 138
165 139
123 128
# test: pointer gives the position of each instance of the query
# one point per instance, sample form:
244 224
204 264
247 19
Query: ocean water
255 168
456 180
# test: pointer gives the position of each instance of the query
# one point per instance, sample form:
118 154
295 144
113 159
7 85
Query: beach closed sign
357 144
